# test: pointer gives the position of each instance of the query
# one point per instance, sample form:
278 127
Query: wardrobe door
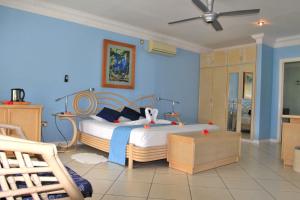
219 94
220 58
241 90
249 54
205 99
235 56
206 60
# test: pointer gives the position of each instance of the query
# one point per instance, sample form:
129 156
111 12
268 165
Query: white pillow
100 119
124 119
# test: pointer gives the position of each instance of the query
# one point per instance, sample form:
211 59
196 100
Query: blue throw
119 140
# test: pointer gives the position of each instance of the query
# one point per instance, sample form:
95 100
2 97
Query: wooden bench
194 152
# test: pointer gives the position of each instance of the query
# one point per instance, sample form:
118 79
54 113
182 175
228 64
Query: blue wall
266 92
258 89
279 53
264 67
37 51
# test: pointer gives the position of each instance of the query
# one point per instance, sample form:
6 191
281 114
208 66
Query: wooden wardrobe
214 75
213 88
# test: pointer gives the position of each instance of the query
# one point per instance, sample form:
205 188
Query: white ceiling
154 15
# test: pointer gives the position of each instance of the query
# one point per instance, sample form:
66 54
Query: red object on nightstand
210 123
204 132
174 123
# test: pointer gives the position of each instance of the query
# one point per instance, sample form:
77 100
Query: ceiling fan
211 17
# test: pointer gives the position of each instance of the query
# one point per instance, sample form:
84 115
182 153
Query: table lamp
169 100
66 98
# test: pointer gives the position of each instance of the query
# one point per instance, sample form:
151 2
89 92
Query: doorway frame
282 63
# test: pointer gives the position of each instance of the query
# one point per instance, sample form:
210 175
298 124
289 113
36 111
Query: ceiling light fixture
261 22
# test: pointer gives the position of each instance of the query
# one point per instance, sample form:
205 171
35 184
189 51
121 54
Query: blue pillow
130 114
142 111
109 114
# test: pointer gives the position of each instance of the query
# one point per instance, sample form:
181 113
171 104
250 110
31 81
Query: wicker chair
36 166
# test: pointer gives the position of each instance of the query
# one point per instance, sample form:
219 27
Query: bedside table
72 119
174 115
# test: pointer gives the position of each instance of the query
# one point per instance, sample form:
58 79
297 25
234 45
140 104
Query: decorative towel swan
151 115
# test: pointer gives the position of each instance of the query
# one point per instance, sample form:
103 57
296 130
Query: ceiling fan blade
185 20
217 26
239 12
201 5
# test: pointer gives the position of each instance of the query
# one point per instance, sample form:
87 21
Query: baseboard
261 141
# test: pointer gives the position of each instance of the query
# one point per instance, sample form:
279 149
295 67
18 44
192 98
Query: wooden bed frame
117 102
133 153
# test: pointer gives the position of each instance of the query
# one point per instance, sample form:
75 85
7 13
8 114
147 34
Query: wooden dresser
28 117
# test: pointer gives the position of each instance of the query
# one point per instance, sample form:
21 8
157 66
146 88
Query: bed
144 144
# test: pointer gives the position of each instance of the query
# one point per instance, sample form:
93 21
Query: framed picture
248 84
118 67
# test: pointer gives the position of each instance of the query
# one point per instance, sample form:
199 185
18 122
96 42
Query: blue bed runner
119 140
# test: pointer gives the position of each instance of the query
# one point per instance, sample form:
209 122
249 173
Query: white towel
151 114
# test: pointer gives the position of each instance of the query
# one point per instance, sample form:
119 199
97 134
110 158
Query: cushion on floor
83 185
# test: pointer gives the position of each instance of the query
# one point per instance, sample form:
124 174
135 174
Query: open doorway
291 89
285 105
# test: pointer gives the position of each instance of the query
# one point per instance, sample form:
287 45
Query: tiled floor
259 175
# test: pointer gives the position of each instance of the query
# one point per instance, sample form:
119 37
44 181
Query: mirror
247 85
233 101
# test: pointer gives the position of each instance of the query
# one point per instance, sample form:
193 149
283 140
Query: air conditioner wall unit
161 48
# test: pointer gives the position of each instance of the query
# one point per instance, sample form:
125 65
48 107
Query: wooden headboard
99 100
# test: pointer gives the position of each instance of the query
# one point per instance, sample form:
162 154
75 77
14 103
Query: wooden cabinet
28 117
290 138
243 55
213 59
194 152
213 96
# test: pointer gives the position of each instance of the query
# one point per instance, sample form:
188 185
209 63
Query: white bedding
154 136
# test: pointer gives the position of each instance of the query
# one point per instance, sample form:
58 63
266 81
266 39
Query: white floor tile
171 179
136 189
112 197
210 193
170 192
250 195
242 183
206 181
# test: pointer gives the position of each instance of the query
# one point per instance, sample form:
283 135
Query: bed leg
130 163
130 157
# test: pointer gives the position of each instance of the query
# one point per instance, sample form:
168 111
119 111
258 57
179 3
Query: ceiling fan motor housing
209 17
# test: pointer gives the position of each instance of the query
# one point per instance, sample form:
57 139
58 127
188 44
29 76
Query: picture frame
248 85
118 66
